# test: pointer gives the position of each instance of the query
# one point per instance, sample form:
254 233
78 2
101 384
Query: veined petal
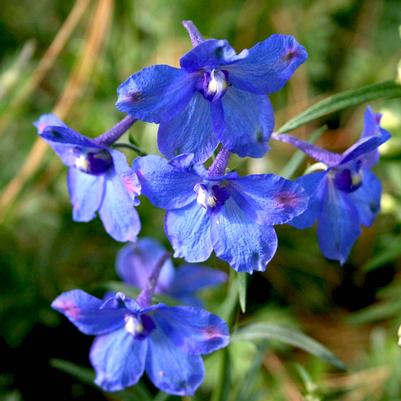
156 93
338 224
188 230
366 198
240 241
166 184
118 359
243 122
170 368
211 53
314 184
318 153
135 262
190 131
194 330
85 312
117 211
86 193
269 65
273 199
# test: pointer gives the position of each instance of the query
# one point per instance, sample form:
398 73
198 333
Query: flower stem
194 34
219 165
116 132
145 296
130 147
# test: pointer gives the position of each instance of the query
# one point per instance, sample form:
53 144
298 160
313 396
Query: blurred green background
69 57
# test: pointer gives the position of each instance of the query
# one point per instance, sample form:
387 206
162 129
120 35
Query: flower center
215 84
348 180
140 327
95 162
210 198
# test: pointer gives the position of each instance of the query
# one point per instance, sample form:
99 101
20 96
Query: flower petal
211 53
367 198
273 199
269 65
188 230
155 93
243 122
119 360
170 368
86 193
48 119
85 311
190 131
135 262
166 184
338 224
240 241
314 185
194 330
117 211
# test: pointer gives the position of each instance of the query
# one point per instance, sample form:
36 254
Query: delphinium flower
216 96
135 336
211 210
346 194
99 178
136 261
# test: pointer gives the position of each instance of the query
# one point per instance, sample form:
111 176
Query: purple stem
194 34
114 133
145 296
219 165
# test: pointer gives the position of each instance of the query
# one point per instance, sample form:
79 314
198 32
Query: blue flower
346 194
166 342
99 179
232 215
135 262
216 96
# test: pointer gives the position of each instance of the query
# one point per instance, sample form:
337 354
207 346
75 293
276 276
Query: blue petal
211 54
155 93
189 132
243 122
273 199
47 119
269 65
117 211
240 241
338 224
135 262
191 278
167 185
194 330
170 368
86 193
85 311
367 198
188 230
119 360
314 185
318 153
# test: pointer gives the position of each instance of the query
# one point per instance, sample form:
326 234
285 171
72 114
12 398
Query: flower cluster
215 100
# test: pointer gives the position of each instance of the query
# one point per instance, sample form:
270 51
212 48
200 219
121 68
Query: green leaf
264 331
298 157
374 313
241 281
354 97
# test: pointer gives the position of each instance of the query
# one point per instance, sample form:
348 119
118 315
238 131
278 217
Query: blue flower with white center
166 342
346 194
232 215
216 95
135 262
99 179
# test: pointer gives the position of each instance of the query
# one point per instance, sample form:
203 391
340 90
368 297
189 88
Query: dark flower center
211 198
95 162
348 180
214 84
